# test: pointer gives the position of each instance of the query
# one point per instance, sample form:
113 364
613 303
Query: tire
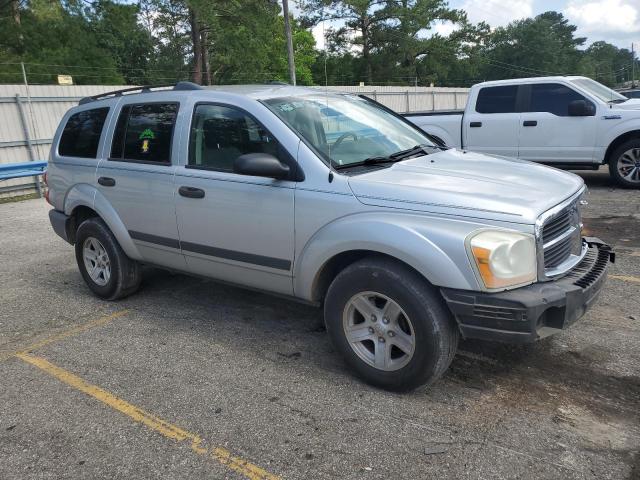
626 157
121 277
419 313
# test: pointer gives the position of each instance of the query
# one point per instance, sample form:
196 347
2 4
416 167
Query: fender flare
401 236
615 136
89 196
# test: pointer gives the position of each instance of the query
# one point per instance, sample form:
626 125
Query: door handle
106 181
191 192
529 123
475 124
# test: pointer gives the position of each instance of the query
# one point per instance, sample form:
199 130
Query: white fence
29 117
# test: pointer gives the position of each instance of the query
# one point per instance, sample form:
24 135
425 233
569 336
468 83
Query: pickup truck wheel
624 164
106 269
391 326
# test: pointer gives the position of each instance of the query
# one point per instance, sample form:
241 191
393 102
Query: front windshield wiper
617 100
394 157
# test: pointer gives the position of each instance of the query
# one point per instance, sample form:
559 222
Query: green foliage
372 41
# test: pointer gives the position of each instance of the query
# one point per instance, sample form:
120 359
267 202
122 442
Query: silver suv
331 199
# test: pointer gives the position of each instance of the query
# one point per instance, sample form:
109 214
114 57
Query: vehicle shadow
294 334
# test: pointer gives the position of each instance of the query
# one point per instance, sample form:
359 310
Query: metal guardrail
23 169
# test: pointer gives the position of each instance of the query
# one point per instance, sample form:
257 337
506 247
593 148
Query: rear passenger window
497 99
553 98
144 133
220 134
81 134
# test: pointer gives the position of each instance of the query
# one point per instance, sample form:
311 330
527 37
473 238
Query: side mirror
581 108
261 165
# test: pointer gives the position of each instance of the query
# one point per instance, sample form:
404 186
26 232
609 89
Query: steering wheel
343 136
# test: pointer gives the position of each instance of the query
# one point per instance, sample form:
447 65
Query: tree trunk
16 11
366 51
197 46
206 66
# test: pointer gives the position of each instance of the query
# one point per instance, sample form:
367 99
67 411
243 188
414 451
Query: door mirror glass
261 165
581 108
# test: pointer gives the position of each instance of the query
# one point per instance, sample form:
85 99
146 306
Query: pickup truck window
144 132
346 129
552 98
81 134
221 134
497 99
598 90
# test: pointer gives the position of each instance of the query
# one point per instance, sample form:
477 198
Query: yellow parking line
625 278
75 331
67 333
222 455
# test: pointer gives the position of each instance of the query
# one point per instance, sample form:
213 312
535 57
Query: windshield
598 90
347 129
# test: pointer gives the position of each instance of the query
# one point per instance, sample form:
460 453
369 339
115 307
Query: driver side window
221 134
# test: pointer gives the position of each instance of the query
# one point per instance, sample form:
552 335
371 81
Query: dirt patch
616 231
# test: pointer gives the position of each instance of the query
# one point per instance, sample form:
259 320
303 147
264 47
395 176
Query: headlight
503 259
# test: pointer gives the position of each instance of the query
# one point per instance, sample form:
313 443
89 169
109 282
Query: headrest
223 132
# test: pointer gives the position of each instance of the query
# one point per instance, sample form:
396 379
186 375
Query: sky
614 21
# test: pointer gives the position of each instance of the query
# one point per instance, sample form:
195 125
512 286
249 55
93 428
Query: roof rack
180 86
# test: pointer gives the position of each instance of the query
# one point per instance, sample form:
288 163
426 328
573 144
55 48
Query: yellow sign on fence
65 80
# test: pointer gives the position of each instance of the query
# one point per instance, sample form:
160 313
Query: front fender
614 131
431 245
87 195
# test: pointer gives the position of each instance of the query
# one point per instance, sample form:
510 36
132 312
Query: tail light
46 188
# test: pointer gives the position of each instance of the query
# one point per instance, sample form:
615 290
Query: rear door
492 124
137 179
547 132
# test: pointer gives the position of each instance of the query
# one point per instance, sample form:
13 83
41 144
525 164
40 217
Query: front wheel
391 327
624 164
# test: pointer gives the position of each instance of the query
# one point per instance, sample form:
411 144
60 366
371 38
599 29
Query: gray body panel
278 235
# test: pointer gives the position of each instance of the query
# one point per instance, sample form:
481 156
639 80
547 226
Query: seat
225 139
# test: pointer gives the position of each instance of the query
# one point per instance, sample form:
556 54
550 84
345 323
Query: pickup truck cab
567 122
330 199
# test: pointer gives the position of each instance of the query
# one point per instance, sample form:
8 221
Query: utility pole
287 32
633 67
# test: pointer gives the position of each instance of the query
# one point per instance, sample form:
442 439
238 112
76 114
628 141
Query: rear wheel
390 325
106 269
624 164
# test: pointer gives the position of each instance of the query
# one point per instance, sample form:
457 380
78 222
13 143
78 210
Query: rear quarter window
81 134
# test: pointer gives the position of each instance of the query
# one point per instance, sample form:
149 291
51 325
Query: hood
468 184
631 104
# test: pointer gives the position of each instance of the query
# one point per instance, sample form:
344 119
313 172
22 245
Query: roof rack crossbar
180 86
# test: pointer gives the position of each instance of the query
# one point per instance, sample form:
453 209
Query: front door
547 132
137 180
233 227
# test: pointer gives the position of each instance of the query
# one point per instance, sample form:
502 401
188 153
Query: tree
544 45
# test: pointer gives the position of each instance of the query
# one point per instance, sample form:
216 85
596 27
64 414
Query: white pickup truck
568 122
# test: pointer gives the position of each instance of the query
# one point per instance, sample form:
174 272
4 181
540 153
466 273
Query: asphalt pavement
193 379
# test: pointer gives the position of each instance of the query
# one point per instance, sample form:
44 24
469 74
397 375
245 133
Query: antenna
326 92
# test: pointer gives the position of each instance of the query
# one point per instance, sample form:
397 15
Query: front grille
558 253
561 236
556 226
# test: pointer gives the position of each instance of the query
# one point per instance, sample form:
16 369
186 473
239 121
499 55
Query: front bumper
530 313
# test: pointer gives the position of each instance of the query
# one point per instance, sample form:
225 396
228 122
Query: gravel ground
257 376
